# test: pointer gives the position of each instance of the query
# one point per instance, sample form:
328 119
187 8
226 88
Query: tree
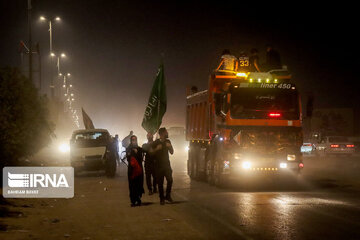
24 124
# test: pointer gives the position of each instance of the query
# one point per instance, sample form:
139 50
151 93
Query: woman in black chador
134 155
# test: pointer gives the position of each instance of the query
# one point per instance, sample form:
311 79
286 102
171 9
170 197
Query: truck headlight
64 148
283 165
246 165
291 157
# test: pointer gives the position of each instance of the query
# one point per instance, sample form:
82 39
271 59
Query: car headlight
246 165
237 156
291 157
64 148
283 165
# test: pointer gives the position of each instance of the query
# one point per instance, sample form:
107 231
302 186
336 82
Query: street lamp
42 18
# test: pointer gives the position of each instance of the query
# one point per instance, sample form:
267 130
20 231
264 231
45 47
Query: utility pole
30 41
39 59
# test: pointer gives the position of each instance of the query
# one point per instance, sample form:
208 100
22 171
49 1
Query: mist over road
324 205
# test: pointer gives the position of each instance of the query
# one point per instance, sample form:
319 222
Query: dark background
115 47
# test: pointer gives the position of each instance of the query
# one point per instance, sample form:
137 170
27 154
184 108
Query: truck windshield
91 138
270 140
257 103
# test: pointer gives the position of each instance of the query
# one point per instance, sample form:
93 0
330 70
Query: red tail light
350 145
334 145
308 145
301 165
274 115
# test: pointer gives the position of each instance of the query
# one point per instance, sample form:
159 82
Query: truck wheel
110 168
220 180
209 173
193 170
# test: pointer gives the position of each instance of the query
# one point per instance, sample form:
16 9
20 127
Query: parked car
89 151
335 145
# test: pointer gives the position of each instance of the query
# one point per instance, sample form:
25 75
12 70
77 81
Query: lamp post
42 18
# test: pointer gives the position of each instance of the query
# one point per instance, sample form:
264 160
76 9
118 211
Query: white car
336 145
307 148
89 151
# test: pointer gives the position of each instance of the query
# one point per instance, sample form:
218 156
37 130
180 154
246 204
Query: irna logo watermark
38 182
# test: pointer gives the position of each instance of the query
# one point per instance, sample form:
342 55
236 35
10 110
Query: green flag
156 107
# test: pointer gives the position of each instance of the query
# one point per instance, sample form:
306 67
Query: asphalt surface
323 205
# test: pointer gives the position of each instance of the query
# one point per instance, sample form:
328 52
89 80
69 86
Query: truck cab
244 124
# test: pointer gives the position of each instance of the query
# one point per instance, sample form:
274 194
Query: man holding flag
160 149
156 107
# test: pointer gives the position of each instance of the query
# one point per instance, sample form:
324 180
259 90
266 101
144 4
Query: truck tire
193 167
209 173
220 180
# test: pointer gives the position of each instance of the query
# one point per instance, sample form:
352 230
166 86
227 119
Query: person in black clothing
134 155
161 148
273 60
116 143
254 60
149 165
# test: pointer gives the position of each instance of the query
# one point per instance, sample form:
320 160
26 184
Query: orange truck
245 124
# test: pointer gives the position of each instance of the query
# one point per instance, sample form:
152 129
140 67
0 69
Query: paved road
325 206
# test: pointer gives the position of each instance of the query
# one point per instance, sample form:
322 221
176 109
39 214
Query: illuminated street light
69 74
63 55
60 74
42 18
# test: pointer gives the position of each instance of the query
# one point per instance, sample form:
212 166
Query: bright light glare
63 55
64 148
187 148
246 165
240 74
57 19
42 18
283 165
291 157
68 74
52 54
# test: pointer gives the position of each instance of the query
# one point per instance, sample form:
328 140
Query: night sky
115 47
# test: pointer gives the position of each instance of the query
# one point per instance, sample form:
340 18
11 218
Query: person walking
126 141
116 143
134 155
149 165
161 149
